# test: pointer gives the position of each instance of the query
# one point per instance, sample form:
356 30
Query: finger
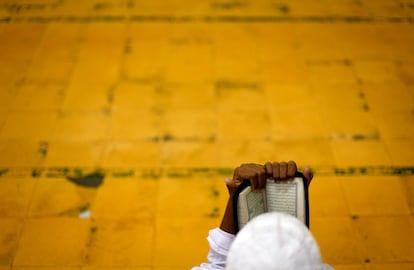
269 169
276 170
262 177
291 169
254 181
236 175
283 170
308 175
231 185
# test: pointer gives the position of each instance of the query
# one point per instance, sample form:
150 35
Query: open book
287 196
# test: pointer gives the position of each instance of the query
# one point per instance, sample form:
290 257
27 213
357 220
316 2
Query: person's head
274 241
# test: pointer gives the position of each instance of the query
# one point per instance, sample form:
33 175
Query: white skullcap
274 241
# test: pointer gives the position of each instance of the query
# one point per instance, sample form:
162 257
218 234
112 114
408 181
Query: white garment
220 243
274 241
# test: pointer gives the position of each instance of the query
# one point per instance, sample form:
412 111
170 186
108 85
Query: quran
286 196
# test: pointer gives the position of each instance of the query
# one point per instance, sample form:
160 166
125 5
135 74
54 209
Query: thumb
231 185
308 175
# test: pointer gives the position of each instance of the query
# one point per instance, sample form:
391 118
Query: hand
257 175
285 171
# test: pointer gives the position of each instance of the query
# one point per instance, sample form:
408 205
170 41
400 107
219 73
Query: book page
286 197
255 204
250 204
282 197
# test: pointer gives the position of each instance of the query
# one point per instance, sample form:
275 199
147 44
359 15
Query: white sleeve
220 242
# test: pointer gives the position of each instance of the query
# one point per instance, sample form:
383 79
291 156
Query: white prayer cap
274 241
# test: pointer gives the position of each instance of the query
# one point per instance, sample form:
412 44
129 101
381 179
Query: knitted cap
274 241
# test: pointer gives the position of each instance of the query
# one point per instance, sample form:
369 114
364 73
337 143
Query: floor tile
235 96
40 125
331 73
386 239
226 50
39 245
400 153
293 124
115 268
131 154
20 33
39 69
21 154
289 96
376 71
230 127
15 196
74 154
120 243
168 267
354 125
408 186
349 267
184 233
10 231
110 70
15 70
337 97
395 125
285 71
7 96
234 153
18 54
375 195
228 69
91 126
191 154
192 97
205 194
268 38
306 152
180 125
143 61
388 266
337 239
60 44
39 97
200 71
404 72
308 48
388 97
136 125
369 152
3 117
87 97
326 197
93 57
59 197
126 198
134 96
45 268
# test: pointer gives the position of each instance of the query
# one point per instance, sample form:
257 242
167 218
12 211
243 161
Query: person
269 241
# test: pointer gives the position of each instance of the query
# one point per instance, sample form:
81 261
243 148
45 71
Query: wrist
227 223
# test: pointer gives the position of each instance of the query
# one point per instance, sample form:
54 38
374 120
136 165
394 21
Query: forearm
227 223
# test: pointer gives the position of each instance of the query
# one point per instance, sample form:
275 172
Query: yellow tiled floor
162 99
